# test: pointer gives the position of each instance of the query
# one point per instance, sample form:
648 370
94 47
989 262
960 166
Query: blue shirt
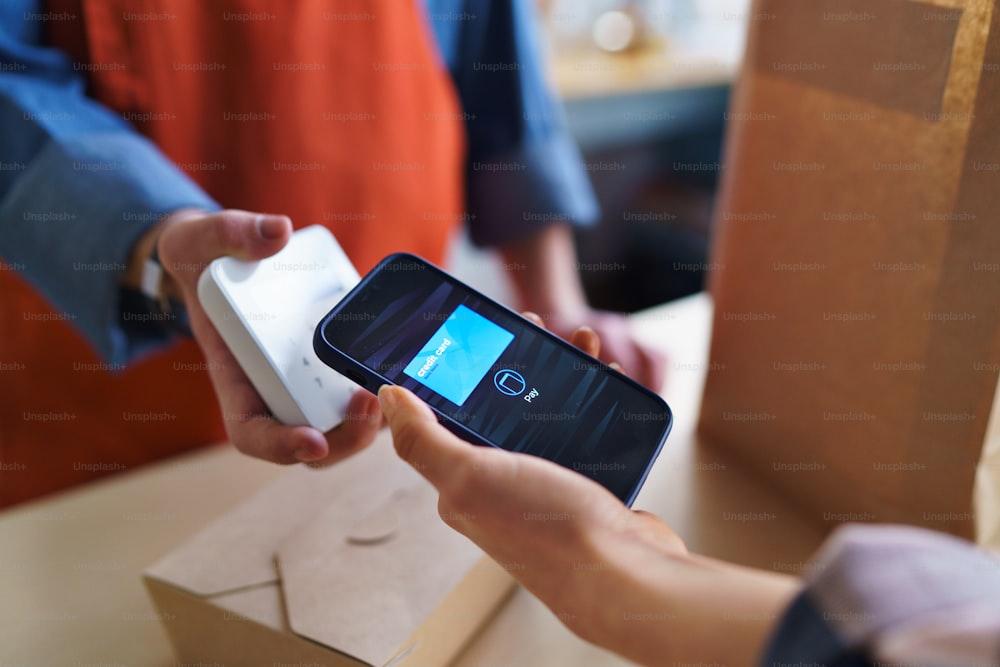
59 220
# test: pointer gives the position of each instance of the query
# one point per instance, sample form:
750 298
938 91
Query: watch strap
152 275
170 312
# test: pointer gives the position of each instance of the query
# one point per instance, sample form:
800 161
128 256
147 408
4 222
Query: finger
189 245
248 422
652 528
646 366
620 352
186 246
362 422
534 318
263 437
420 440
587 340
656 364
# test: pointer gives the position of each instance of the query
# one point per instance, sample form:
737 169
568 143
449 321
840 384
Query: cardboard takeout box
345 566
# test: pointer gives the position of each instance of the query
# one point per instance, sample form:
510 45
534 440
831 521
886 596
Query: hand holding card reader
266 312
491 376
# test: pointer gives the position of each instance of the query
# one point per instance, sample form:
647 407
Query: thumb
653 528
188 244
419 439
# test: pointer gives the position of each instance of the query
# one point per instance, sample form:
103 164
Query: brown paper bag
856 342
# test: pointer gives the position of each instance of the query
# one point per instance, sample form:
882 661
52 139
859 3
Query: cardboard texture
346 566
856 337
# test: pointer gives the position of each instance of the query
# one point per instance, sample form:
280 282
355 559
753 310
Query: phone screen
496 374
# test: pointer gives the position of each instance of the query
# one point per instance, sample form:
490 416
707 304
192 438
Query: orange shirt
283 107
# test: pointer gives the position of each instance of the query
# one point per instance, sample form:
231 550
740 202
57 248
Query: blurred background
645 85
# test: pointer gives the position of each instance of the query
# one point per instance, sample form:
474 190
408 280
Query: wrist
144 250
673 607
543 273
151 294
608 572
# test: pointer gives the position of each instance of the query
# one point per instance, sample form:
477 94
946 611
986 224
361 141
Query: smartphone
493 377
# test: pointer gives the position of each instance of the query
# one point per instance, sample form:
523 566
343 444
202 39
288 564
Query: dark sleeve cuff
519 193
872 592
802 637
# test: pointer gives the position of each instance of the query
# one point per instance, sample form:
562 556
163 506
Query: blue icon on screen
459 354
509 382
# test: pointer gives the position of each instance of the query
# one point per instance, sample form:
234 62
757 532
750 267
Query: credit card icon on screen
455 359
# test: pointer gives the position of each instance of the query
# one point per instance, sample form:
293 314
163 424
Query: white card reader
266 312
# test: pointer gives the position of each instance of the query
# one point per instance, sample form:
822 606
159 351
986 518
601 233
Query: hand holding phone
493 377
